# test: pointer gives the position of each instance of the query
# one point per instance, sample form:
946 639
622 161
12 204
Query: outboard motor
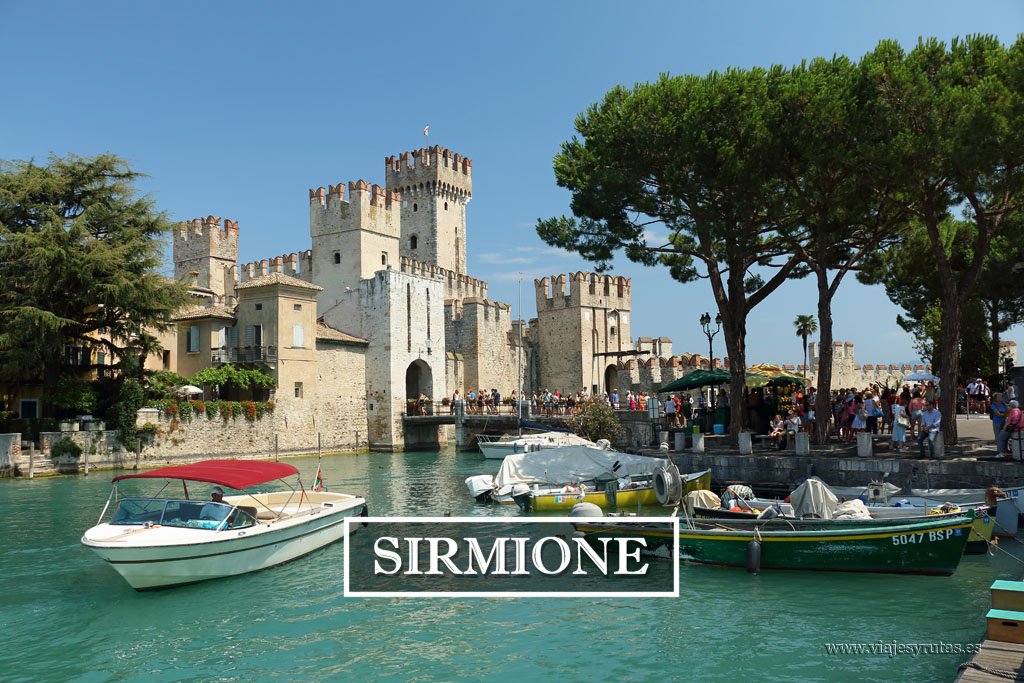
521 496
481 487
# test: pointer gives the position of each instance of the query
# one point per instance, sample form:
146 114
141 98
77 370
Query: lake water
66 616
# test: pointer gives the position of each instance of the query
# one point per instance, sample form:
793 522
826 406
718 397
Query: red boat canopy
235 474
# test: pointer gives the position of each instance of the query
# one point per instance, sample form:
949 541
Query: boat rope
993 546
999 673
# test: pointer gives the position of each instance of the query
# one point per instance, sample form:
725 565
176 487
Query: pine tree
79 253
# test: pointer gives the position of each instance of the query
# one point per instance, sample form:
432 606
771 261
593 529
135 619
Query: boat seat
265 514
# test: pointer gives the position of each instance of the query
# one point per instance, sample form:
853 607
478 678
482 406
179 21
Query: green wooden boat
930 547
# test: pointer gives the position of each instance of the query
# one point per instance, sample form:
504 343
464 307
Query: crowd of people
906 413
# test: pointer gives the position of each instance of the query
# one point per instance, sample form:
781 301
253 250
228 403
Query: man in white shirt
216 509
931 421
670 411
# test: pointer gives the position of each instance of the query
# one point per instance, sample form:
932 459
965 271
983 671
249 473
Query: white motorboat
161 542
497 447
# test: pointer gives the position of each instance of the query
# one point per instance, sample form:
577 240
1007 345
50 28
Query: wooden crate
1008 595
1006 626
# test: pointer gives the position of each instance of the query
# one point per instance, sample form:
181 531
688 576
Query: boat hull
147 561
630 498
978 540
927 548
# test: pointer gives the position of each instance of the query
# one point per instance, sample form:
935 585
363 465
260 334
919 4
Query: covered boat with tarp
559 478
162 541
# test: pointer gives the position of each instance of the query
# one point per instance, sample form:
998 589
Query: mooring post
318 444
276 457
87 458
31 459
460 430
138 453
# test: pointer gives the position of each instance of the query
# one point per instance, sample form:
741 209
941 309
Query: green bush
122 415
595 420
66 447
73 395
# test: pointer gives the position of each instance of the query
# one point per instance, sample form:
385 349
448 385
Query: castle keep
380 309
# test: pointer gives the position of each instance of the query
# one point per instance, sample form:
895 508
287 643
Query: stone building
384 286
380 310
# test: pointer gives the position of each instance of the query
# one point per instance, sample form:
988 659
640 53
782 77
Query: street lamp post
705 323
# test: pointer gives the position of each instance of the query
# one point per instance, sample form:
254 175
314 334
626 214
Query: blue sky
236 108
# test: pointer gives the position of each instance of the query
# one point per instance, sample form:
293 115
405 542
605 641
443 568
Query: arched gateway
419 380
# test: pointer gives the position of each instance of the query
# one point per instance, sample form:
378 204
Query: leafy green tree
805 326
697 157
79 259
912 283
595 420
73 395
947 124
835 218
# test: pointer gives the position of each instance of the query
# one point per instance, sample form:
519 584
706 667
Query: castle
381 310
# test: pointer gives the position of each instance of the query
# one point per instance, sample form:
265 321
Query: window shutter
297 336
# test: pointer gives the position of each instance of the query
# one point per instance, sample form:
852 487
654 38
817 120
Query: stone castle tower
579 332
352 238
435 184
206 255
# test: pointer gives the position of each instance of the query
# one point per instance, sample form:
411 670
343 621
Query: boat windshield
191 514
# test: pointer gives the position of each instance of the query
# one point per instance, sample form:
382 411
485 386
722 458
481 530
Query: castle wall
456 285
298 264
436 184
397 313
847 374
479 330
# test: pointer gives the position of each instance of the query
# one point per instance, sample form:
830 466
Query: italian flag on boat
318 481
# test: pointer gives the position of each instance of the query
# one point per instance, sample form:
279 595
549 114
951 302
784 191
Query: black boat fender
754 556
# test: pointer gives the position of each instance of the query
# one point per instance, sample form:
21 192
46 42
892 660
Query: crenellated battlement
366 207
358 190
585 289
430 169
210 227
457 285
205 251
296 264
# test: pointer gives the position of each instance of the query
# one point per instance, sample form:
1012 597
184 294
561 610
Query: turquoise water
66 616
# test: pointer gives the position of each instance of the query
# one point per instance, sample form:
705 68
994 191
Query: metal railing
246 354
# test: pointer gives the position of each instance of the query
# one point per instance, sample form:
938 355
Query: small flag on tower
318 481
426 131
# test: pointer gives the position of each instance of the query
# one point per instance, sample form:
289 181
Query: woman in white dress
900 422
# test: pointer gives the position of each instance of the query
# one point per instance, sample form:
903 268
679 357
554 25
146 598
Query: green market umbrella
710 378
696 380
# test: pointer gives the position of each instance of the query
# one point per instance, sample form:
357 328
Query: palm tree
805 326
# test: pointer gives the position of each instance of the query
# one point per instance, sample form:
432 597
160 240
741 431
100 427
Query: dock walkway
996 661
